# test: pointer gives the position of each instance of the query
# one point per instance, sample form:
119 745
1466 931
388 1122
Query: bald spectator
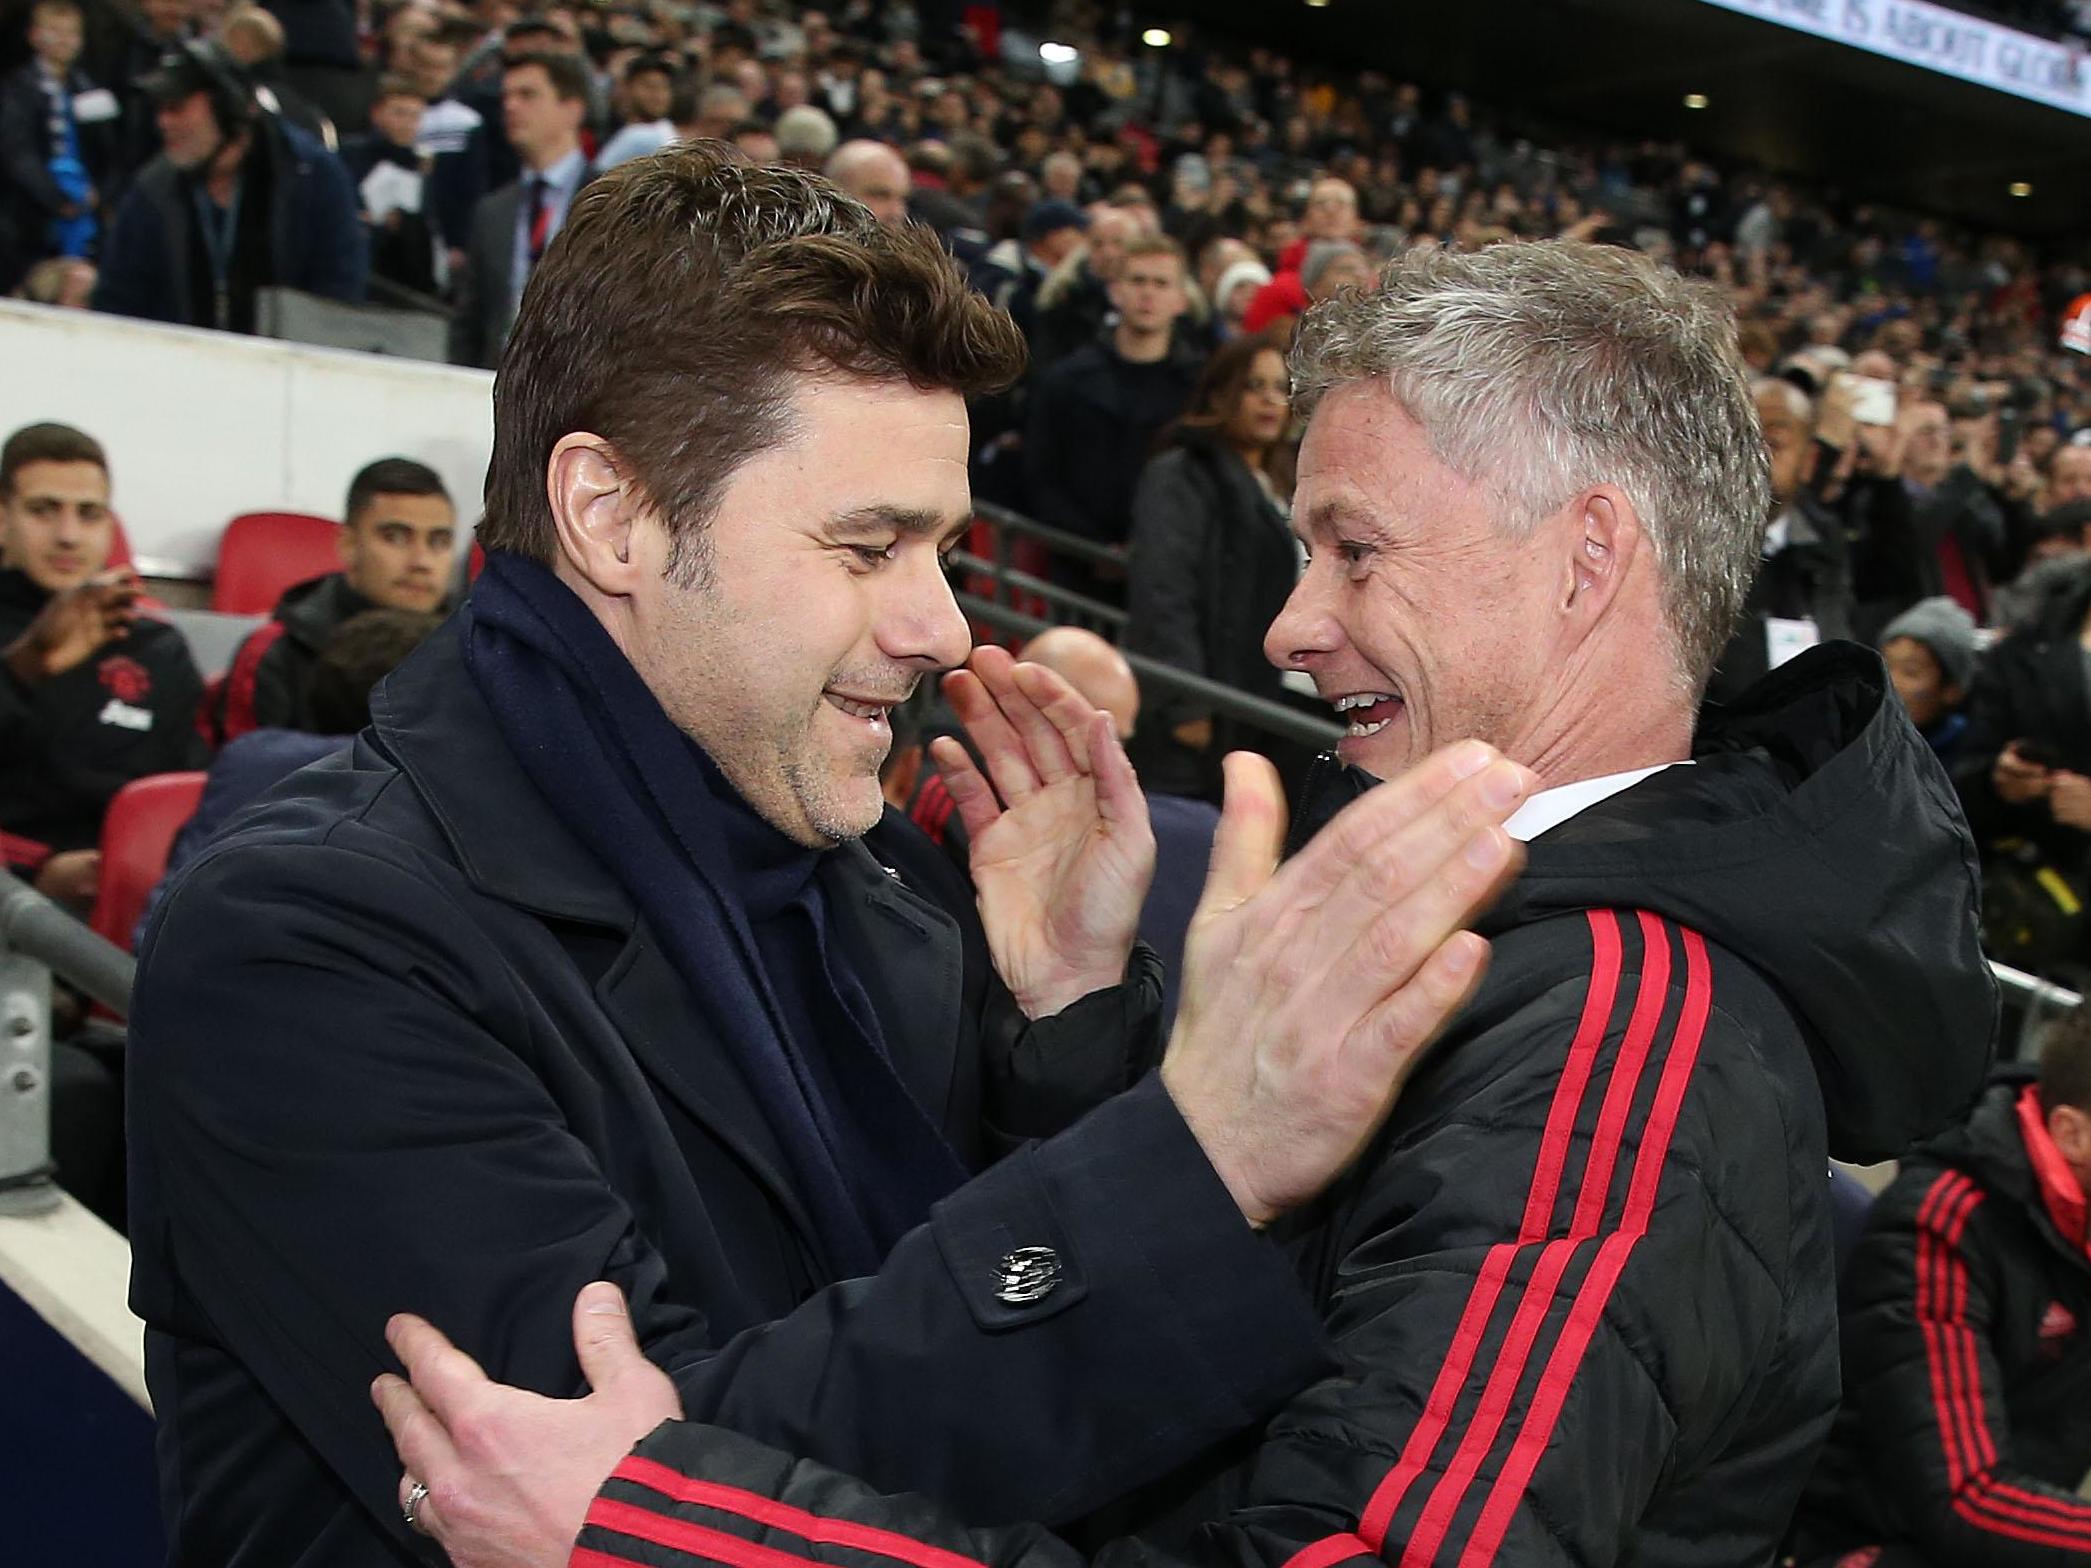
1074 304
2068 476
1060 176
805 135
876 175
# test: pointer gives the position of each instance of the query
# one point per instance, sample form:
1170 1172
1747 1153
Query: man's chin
1386 753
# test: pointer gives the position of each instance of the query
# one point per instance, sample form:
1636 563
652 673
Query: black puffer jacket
1967 1366
1582 1285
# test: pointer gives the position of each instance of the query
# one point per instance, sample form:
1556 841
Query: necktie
540 217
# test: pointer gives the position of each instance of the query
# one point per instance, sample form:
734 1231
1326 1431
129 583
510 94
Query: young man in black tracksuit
1966 1425
397 554
1581 1285
92 695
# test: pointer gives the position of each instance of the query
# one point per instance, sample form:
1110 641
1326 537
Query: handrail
1259 712
2032 988
1058 540
32 925
1080 607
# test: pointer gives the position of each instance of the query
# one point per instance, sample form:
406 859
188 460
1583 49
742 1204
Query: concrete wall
201 426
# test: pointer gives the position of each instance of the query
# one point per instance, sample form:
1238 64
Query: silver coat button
1026 1275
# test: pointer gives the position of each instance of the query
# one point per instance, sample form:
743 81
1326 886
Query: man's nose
1303 628
922 623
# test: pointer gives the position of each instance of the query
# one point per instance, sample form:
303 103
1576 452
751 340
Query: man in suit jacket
578 964
544 102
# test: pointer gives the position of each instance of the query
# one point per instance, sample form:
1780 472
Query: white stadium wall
201 426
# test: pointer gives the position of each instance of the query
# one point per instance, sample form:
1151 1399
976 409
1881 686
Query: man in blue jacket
597 956
237 201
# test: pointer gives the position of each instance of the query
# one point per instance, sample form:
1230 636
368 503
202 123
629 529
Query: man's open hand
1311 989
510 1474
1062 859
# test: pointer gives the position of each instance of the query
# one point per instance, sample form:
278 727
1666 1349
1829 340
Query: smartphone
1873 400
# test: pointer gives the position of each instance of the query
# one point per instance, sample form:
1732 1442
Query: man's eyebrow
866 521
1335 513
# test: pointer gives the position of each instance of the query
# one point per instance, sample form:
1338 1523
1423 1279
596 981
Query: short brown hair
2065 1061
675 308
568 76
1157 245
47 443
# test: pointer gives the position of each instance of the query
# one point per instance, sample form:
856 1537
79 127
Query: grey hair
1538 369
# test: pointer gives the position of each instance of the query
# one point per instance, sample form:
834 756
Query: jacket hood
311 611
1817 838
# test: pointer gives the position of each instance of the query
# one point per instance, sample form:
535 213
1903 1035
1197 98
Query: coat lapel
910 962
653 1012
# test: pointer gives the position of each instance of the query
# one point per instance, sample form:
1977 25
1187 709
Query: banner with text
1936 39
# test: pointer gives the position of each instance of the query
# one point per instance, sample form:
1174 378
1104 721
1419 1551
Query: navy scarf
737 906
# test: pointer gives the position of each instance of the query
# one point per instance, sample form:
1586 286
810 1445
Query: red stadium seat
137 833
263 553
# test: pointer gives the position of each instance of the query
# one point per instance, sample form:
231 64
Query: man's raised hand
1311 989
1062 851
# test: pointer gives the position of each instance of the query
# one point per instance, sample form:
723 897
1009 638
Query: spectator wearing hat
236 202
1237 286
1011 274
1930 652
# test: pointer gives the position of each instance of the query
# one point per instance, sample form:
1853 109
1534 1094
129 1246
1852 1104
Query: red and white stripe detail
1490 1426
1953 1359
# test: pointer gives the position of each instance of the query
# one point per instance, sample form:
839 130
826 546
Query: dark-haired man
398 552
92 695
577 964
238 201
1966 1424
544 103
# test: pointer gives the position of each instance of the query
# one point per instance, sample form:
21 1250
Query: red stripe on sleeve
680 1535
782 1516
1443 1400
1329 1551
1522 1340
1612 1258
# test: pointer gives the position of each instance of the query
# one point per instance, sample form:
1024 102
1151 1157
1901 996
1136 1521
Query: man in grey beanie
1931 650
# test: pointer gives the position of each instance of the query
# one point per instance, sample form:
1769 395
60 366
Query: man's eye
872 554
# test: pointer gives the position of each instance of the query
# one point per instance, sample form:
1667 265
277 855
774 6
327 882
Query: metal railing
37 940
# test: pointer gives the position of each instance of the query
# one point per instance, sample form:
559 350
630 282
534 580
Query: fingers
1065 709
1119 798
1388 952
424 1447
1250 837
1023 692
443 1376
993 735
603 1336
1397 1032
1359 828
971 794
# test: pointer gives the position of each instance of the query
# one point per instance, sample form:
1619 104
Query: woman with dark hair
1212 563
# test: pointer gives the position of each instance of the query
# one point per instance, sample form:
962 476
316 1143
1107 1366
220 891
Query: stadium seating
137 834
263 553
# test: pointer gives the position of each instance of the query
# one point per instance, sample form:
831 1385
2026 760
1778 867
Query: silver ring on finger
417 1494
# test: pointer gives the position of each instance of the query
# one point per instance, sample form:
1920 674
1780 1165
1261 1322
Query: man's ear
2071 1130
1604 542
597 514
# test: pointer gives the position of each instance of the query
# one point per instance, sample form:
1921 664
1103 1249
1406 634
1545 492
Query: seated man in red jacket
398 552
1966 1426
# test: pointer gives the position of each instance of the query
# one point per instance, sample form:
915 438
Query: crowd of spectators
1156 220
